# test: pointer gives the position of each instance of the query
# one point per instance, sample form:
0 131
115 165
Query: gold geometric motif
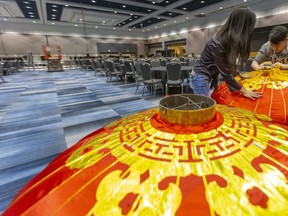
274 79
234 145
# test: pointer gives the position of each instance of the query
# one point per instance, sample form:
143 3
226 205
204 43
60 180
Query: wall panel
19 44
69 45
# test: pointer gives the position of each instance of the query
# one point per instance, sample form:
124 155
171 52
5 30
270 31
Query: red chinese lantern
234 164
273 84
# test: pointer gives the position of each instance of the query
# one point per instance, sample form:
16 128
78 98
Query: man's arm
262 56
255 65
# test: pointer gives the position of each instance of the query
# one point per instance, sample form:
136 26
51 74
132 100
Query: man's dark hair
278 34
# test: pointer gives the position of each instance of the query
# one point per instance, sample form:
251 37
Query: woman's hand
251 94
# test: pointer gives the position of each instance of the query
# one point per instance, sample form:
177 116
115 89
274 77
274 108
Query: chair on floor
1 73
138 74
6 68
137 77
192 62
175 60
97 67
155 63
174 77
148 80
127 70
112 72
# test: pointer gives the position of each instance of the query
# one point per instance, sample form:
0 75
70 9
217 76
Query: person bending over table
231 44
275 51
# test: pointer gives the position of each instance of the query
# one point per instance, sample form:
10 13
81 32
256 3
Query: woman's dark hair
236 34
278 34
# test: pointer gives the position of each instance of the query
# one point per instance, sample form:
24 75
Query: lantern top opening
187 109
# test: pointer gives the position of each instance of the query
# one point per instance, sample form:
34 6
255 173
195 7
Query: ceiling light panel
27 7
197 4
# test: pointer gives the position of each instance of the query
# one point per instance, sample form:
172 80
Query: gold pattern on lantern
233 145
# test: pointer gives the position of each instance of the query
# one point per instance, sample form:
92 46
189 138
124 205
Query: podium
53 57
54 64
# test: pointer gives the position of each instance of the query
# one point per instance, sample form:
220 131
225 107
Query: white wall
196 39
18 44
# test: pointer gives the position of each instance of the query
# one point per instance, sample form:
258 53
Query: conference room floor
44 113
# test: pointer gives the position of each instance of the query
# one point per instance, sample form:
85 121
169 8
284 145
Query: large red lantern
234 164
274 85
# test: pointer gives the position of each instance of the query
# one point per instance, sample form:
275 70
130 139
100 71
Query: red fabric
272 104
59 190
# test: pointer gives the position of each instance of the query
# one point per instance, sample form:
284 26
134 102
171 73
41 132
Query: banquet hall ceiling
117 14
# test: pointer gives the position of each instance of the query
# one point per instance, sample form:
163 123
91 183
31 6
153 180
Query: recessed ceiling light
30 12
129 29
54 6
175 21
164 24
187 17
184 8
130 19
114 28
153 2
149 10
167 2
66 5
202 2
96 26
220 8
54 10
26 2
93 1
34 22
155 26
54 15
28 7
75 25
115 12
5 19
53 23
53 18
124 6
158 17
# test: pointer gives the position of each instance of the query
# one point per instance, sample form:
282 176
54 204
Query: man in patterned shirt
275 50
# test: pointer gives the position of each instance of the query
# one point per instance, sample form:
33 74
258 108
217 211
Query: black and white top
267 54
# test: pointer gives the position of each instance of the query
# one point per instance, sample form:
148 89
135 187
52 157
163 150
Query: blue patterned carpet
44 113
